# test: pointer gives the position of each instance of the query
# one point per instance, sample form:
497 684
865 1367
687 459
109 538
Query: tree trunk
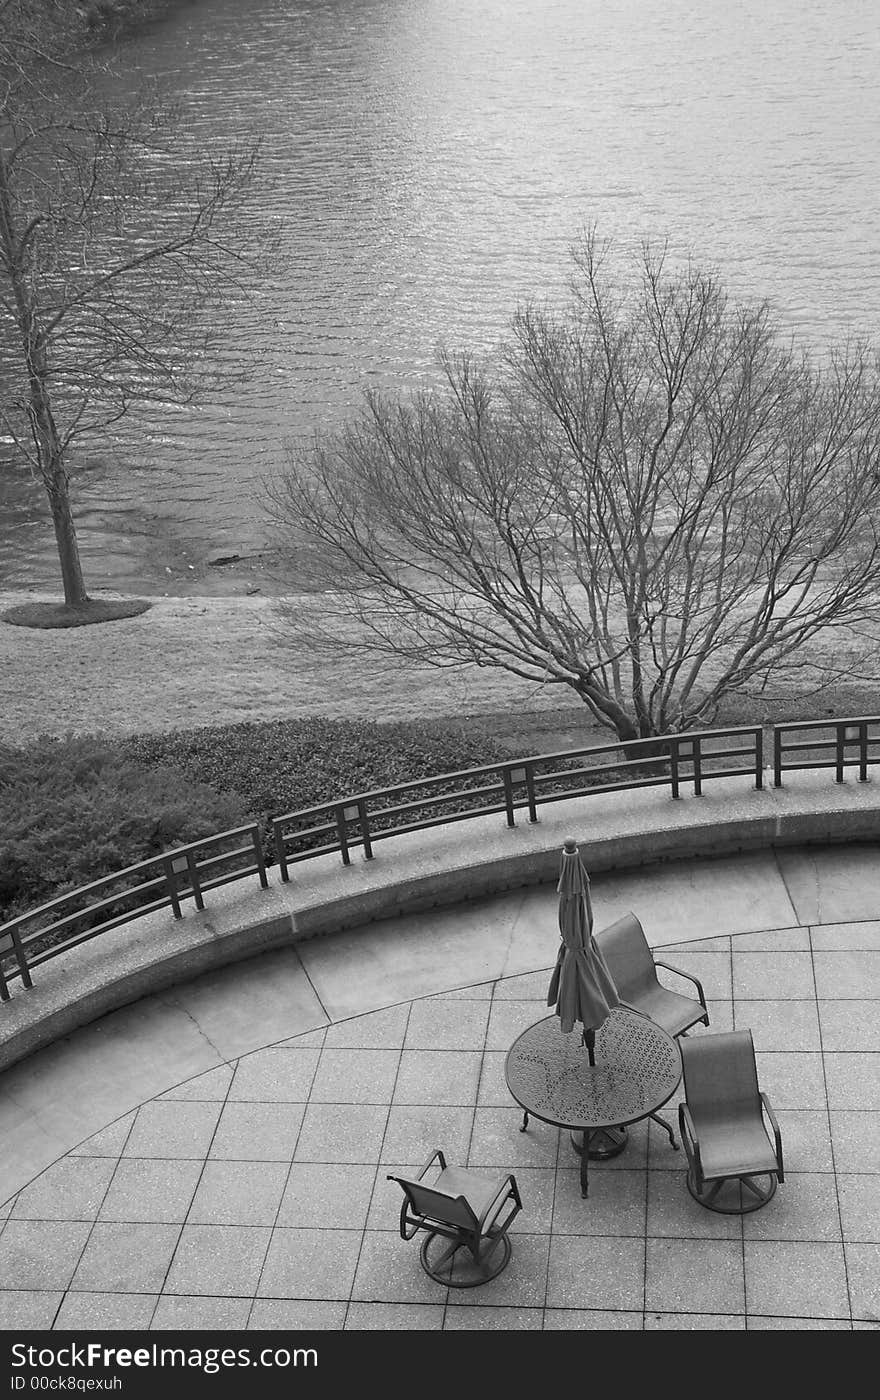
68 548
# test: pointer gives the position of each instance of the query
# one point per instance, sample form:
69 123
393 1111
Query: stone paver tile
850 974
394 1317
106 1312
389 1271
40 1255
438 1076
27 1310
489 1319
508 1020
673 1213
197 1314
522 1284
306 1040
377 1030
591 1271
795 1279
355 1076
841 937
615 1205
334 1195
342 1133
699 1276
275 1076
497 1141
797 1324
791 1078
863 1269
211 1087
146 1188
71 1189
693 1322
296 1315
238 1193
493 1091
856 1137
779 1025
720 1017
590 1320
172 1128
859 1198
218 1259
413 1131
310 1264
109 1142
804 1208
760 976
775 940
126 1258
447 1024
848 1025
528 986
472 991
853 1079
806 1139
258 1132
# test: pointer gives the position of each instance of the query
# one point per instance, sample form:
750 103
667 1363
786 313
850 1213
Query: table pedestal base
602 1143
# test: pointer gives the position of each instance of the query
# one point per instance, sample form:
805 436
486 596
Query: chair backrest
719 1072
438 1205
625 949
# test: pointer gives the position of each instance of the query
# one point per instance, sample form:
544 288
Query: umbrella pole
590 1043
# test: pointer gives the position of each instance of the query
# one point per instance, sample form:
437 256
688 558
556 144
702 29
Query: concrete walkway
216 1156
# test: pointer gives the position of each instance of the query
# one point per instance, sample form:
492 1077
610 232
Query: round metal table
637 1070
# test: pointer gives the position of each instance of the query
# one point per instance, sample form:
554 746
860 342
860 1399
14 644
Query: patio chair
634 968
465 1209
722 1125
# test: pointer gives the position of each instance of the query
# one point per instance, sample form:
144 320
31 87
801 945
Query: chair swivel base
452 1264
734 1195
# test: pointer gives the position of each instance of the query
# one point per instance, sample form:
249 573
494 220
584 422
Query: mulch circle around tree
46 615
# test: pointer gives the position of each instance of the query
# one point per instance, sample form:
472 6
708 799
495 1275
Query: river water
432 162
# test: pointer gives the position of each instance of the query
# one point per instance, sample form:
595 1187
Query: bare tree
110 251
652 500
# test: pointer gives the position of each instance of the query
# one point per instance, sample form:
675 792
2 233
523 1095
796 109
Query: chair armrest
508 1190
689 975
689 1138
436 1156
776 1133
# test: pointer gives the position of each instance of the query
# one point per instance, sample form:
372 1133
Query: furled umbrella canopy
581 988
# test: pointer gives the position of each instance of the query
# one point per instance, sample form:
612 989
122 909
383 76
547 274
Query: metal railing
358 821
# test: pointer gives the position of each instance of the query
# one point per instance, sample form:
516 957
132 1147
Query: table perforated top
637 1069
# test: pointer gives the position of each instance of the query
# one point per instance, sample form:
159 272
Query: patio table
637 1070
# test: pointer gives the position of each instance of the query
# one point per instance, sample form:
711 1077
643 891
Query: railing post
507 778
777 756
698 772
863 753
365 829
261 860
759 757
280 849
168 866
839 754
342 833
530 793
193 872
673 764
15 946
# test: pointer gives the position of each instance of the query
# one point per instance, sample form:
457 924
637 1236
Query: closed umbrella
581 988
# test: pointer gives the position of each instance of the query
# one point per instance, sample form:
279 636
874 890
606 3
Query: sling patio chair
733 1165
634 968
470 1212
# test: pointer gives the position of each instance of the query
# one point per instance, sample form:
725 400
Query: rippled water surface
432 161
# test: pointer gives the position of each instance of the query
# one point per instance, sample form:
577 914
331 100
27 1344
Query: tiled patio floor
255 1196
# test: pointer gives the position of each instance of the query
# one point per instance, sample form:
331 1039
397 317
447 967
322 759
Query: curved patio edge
449 864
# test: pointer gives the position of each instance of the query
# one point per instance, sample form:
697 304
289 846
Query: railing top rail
790 725
139 867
